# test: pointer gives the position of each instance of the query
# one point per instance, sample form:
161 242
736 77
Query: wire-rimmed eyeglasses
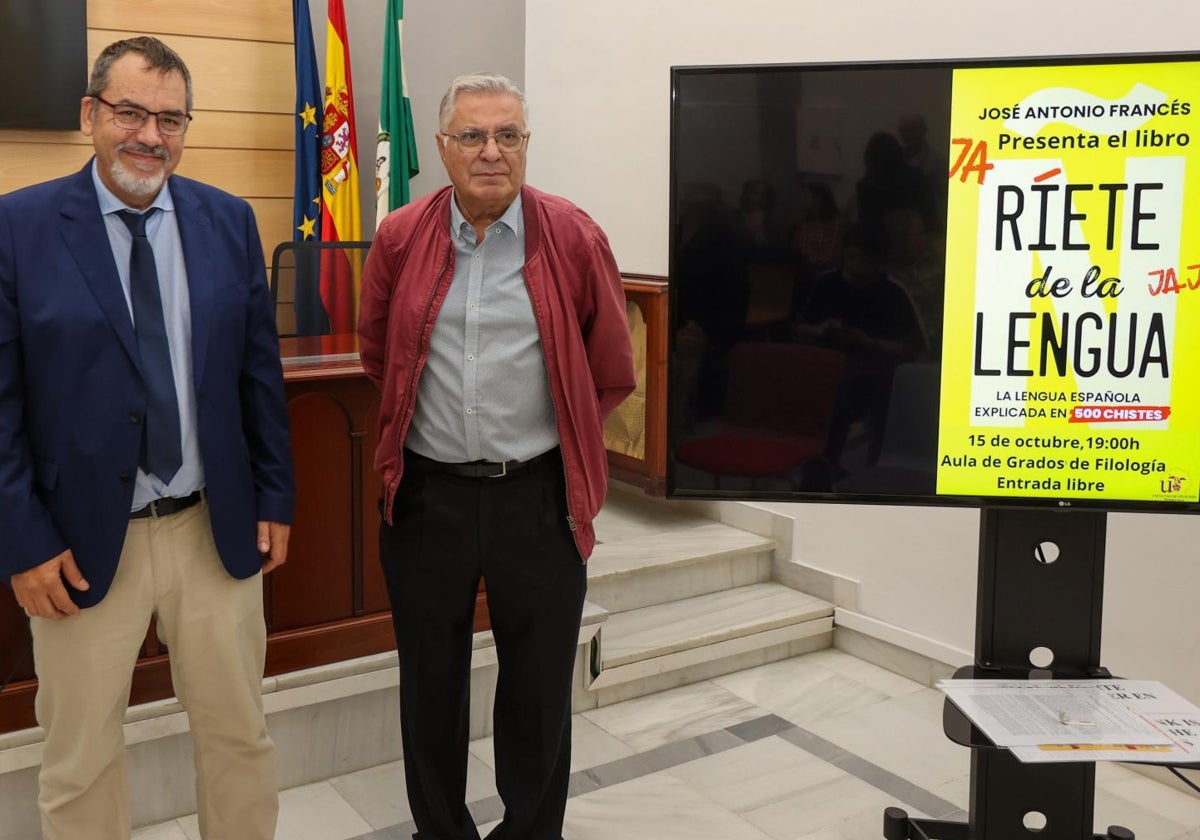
472 139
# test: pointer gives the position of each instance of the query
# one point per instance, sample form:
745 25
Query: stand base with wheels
1041 588
897 825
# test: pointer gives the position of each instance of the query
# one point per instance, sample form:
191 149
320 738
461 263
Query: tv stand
1041 586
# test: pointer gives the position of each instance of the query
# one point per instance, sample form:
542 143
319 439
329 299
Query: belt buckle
503 470
154 509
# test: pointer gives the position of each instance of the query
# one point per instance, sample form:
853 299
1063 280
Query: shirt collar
109 203
513 219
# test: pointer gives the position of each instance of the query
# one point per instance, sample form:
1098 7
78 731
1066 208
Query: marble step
679 563
644 650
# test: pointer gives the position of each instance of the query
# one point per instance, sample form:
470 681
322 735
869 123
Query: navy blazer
71 393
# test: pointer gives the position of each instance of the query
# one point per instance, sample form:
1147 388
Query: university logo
1172 484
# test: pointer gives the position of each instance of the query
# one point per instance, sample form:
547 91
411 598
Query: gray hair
492 83
158 57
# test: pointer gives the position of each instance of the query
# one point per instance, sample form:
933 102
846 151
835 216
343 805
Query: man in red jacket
493 320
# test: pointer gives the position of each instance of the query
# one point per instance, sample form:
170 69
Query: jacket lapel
86 239
197 234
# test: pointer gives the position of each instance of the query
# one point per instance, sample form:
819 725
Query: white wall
597 75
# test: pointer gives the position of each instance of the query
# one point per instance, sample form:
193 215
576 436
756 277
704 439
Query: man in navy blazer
96 542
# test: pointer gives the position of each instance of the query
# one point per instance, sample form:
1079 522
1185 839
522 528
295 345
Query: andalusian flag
306 212
397 149
340 214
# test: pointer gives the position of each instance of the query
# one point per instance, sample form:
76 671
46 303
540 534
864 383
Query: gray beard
143 186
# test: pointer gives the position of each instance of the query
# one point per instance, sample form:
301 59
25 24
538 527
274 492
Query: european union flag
311 318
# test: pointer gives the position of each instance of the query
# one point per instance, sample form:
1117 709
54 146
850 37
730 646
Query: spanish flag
340 211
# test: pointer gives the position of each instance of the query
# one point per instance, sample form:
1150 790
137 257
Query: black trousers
448 531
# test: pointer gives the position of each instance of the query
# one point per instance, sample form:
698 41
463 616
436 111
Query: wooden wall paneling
240 130
240 57
41 138
309 646
483 618
656 310
316 584
16 662
227 75
286 651
251 173
16 706
22 164
650 294
16 666
285 303
374 590
151 681
210 129
274 217
255 20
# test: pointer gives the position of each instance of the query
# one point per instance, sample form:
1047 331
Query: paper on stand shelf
1084 720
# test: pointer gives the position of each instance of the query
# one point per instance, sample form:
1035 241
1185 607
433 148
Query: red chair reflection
779 404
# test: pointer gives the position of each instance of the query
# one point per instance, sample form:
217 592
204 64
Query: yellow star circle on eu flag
308 115
306 227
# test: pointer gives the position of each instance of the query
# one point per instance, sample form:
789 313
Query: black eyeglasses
133 117
472 139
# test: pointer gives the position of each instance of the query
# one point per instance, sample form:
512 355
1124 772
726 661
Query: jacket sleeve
264 405
373 305
30 535
607 341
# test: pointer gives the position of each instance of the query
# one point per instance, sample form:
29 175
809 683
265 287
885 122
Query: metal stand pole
1041 586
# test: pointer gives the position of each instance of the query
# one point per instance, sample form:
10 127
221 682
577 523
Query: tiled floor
812 748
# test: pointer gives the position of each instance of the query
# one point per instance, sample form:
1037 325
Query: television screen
43 57
967 282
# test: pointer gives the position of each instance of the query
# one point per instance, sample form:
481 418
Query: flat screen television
43 58
937 282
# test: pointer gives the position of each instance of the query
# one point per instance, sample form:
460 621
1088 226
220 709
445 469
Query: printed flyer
1072 323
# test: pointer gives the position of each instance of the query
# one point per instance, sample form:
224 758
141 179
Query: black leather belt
475 469
168 505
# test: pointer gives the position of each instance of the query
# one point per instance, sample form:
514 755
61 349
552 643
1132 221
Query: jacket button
126 478
134 417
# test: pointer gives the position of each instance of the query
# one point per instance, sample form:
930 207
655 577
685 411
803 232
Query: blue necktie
162 451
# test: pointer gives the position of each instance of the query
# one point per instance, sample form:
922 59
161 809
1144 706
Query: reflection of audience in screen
859 310
916 260
712 298
817 236
759 226
888 184
770 263
913 131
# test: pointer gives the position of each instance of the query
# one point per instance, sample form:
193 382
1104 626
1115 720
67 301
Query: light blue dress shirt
162 229
484 393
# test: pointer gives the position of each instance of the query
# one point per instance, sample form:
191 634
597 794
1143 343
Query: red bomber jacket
578 303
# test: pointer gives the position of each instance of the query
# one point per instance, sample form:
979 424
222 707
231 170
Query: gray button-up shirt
484 392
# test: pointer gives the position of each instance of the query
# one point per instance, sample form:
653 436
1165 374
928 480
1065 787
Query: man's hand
272 544
40 590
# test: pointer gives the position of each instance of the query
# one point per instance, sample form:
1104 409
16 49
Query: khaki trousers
213 627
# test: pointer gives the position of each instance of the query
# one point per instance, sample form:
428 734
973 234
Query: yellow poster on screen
1072 323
